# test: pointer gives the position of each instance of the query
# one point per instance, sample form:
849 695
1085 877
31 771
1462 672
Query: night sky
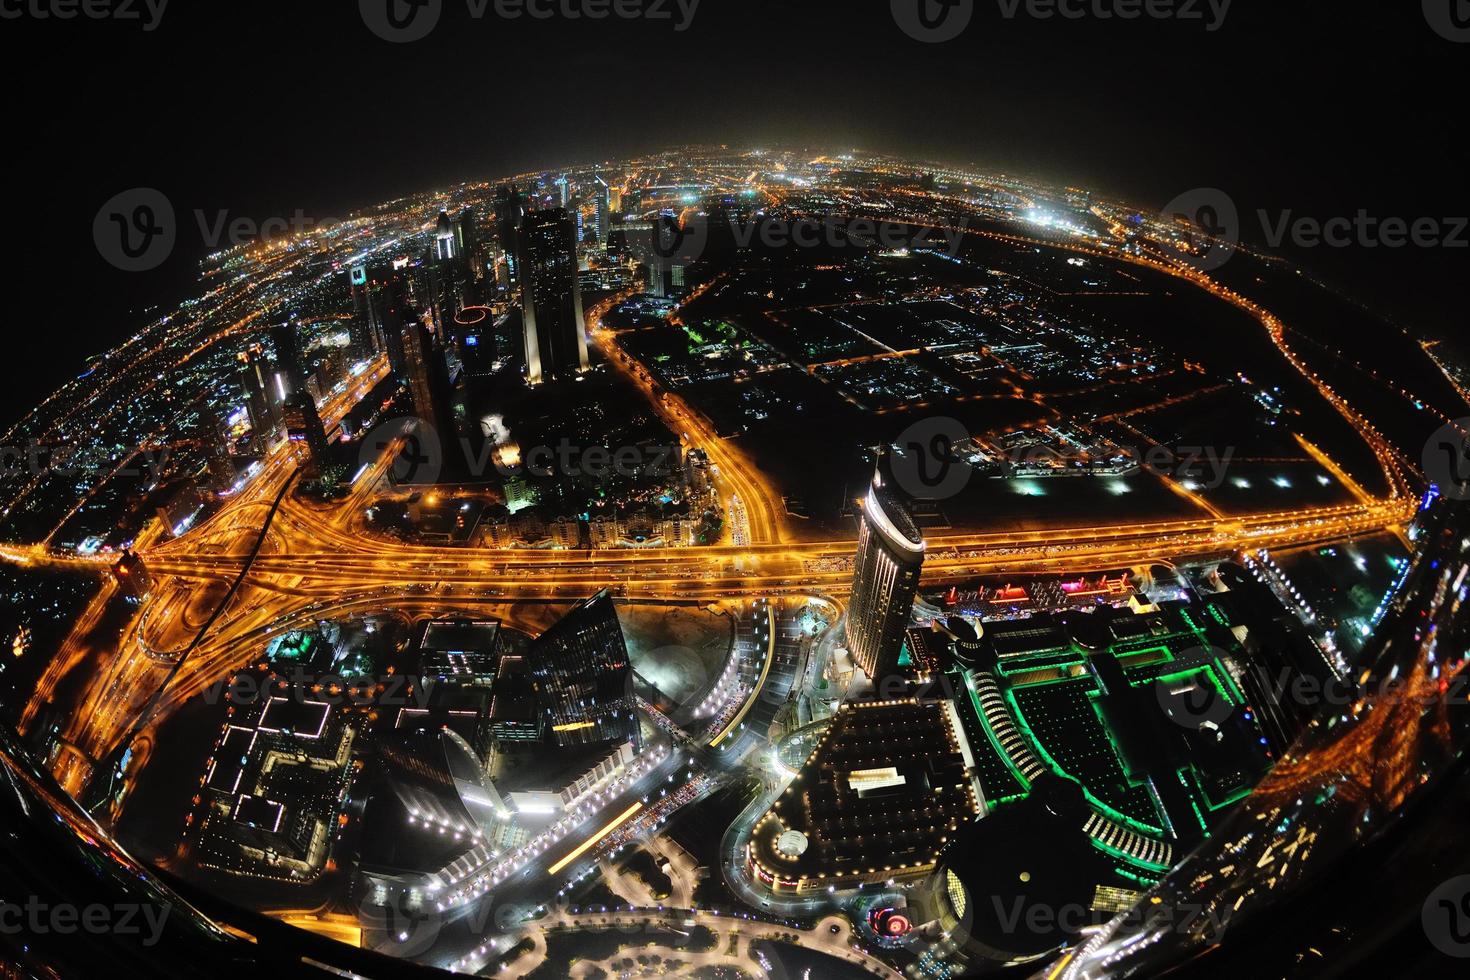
262 108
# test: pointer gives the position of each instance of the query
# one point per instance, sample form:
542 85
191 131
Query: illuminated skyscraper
428 376
583 676
890 554
510 210
367 311
303 422
551 299
446 241
210 435
604 212
260 397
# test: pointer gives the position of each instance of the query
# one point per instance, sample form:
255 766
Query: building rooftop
882 792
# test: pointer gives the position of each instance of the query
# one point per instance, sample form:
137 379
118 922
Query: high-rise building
303 422
367 311
428 376
465 238
890 554
132 576
510 210
474 340
584 678
551 298
210 436
288 356
446 242
604 212
260 397
396 311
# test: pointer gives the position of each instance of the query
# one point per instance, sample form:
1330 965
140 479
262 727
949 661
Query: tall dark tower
260 400
210 436
395 311
584 678
604 212
428 377
510 210
288 356
551 299
885 579
446 242
367 312
303 422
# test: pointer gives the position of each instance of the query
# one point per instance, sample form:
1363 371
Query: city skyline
571 489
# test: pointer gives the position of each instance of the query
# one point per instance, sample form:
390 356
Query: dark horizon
260 114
